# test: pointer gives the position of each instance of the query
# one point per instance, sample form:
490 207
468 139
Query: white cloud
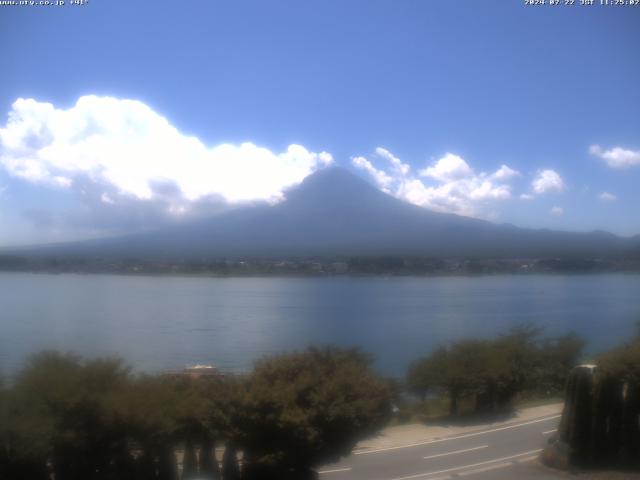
557 211
129 149
607 197
505 173
449 168
548 181
106 198
398 166
379 176
449 185
526 196
616 157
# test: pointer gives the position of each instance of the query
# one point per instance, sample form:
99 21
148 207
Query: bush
80 419
494 372
304 409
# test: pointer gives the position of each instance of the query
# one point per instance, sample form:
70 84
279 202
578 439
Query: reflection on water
167 322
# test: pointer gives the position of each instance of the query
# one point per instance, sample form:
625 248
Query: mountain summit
335 213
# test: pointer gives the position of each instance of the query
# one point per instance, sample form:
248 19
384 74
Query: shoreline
290 275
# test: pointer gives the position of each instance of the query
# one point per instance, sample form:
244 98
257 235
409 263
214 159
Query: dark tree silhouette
303 409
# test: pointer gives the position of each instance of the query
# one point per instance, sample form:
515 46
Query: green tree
61 410
151 408
459 370
558 355
622 362
517 357
425 374
494 372
303 409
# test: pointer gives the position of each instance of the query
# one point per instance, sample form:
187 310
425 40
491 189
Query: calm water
159 322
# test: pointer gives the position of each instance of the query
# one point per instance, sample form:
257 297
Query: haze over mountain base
334 215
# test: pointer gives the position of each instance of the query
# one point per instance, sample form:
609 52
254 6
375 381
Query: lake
168 322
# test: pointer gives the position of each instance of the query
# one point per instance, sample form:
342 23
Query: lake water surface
168 322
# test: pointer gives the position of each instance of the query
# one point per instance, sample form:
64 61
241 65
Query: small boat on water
197 371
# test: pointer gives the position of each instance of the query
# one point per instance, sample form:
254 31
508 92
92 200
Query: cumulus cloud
381 178
557 211
547 181
448 169
616 157
505 173
526 196
399 167
447 185
607 197
121 152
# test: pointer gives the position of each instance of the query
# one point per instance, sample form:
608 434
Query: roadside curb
369 446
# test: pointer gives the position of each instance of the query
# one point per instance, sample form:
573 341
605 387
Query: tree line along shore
315 266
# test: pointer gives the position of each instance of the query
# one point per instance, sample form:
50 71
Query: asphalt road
482 454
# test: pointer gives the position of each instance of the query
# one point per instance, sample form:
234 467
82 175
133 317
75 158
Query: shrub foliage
93 419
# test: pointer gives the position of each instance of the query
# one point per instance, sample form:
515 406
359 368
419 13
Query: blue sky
135 114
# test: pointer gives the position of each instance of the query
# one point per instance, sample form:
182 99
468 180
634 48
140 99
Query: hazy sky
119 115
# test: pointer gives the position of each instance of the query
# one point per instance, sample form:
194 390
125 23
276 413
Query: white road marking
550 431
462 467
456 451
474 434
335 470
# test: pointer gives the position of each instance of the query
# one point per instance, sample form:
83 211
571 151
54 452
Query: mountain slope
333 212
